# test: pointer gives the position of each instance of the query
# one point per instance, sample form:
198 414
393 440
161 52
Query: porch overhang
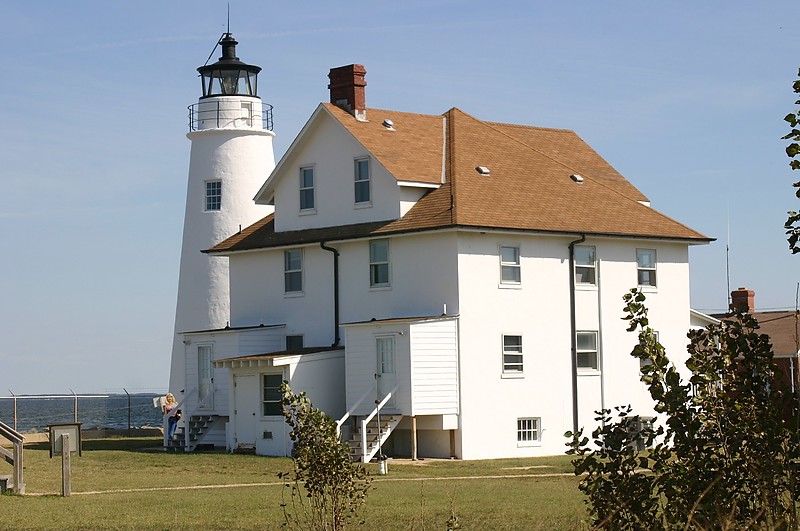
277 359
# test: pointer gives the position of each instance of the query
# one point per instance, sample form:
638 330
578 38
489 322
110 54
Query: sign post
65 440
66 480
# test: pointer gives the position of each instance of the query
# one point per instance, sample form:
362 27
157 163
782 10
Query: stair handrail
14 458
352 409
365 421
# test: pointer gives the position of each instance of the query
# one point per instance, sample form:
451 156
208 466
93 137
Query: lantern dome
229 76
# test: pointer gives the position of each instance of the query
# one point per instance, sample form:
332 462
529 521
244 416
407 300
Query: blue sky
685 99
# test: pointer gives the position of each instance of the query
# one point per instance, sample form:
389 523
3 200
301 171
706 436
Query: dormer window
362 186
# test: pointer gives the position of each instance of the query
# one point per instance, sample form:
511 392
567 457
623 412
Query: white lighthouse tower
231 156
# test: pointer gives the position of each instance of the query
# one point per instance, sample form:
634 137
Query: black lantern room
229 76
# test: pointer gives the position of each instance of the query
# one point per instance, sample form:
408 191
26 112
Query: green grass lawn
414 495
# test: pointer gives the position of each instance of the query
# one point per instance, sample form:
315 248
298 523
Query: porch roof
233 329
270 359
398 320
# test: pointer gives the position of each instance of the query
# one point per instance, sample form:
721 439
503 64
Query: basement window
529 431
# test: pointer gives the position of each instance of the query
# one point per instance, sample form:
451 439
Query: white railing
347 415
365 422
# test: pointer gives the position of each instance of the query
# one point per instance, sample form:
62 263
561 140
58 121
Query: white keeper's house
466 276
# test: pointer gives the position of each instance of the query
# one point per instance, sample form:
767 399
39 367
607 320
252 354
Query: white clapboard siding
434 367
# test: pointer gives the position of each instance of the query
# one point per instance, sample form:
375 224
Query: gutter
573 330
335 252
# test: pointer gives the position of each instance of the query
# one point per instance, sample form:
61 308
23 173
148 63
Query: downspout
600 350
574 332
335 291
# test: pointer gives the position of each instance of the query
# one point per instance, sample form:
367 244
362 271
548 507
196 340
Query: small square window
271 402
587 350
512 354
646 267
293 271
379 263
307 199
585 265
362 189
294 343
213 195
529 431
510 272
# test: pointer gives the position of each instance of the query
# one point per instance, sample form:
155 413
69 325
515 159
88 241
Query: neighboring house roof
528 187
782 327
700 319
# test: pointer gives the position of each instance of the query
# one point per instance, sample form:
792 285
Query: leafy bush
327 488
723 458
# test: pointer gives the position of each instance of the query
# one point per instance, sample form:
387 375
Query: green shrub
327 489
723 458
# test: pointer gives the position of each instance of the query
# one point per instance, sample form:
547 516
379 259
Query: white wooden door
246 402
387 378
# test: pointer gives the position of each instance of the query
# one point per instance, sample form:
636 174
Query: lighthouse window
307 188
213 195
362 181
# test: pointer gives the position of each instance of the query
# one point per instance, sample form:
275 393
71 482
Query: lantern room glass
229 82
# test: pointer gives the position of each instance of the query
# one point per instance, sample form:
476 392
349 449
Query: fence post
129 411
15 408
75 414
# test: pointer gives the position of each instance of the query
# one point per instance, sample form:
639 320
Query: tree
793 150
722 458
327 488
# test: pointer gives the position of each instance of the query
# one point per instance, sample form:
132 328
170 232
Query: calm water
112 412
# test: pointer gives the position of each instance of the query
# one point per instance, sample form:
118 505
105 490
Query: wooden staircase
373 435
187 438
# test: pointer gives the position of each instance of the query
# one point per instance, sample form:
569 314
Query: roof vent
483 170
388 124
577 178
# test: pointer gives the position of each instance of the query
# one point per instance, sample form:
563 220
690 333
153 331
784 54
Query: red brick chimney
743 300
347 89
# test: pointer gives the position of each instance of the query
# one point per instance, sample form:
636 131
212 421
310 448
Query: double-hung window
646 267
307 189
271 401
379 263
587 351
510 272
213 196
362 190
512 354
529 431
293 271
585 265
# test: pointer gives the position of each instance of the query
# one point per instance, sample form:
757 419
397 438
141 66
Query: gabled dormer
349 164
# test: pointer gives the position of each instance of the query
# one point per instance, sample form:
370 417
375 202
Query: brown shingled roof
411 152
782 327
528 188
